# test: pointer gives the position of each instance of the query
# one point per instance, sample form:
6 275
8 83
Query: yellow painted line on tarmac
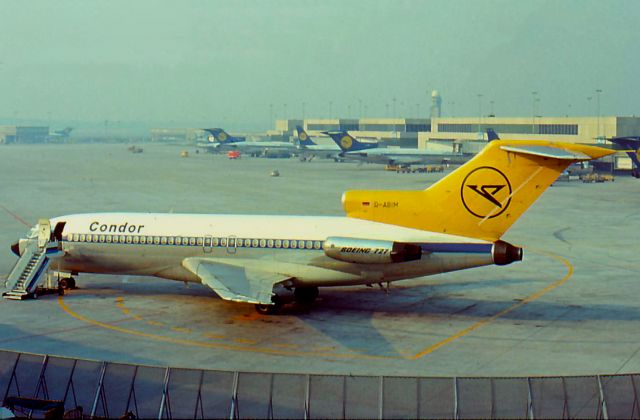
511 308
181 329
222 346
214 336
319 351
244 341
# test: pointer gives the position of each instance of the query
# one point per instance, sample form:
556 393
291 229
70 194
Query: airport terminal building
21 134
468 133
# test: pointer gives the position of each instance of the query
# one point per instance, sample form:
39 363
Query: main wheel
305 294
268 309
67 283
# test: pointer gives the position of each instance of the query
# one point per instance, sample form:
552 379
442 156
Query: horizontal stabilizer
548 152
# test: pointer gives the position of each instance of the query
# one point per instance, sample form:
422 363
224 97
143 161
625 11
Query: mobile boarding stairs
32 266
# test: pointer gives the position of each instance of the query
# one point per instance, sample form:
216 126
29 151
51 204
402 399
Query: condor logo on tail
486 192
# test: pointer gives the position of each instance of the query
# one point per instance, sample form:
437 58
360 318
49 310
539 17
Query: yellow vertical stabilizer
482 198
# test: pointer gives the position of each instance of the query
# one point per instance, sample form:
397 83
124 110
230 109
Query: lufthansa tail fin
303 137
492 135
482 198
347 143
222 136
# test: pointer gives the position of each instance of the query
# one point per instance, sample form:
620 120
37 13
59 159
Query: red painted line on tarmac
15 216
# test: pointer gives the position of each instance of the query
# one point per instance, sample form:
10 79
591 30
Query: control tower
436 104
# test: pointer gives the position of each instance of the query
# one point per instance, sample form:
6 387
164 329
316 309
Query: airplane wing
252 280
233 282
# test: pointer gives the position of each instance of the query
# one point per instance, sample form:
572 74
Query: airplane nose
15 248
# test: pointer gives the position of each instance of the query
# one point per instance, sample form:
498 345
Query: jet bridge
34 261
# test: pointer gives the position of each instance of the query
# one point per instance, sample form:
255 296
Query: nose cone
15 248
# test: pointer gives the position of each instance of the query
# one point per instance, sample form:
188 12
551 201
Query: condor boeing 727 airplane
386 236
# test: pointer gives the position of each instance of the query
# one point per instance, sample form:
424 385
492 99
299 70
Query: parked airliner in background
60 134
386 236
632 147
353 149
220 140
308 149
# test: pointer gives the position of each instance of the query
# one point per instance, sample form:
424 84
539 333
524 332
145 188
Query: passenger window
278 243
309 245
294 244
108 239
200 242
216 241
156 240
263 243
254 243
171 240
102 238
270 243
82 237
143 239
163 240
285 243
317 245
192 241
136 239
223 242
178 240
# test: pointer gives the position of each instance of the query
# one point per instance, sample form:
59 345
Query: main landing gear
66 283
302 295
305 295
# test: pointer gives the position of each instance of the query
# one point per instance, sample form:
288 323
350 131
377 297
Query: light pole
533 111
491 105
480 112
598 92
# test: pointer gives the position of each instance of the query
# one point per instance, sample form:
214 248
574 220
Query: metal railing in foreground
105 389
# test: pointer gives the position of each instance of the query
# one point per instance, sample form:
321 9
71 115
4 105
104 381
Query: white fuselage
156 244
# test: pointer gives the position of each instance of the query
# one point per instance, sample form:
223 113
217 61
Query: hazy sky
225 62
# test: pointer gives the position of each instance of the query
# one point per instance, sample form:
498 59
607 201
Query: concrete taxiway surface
571 307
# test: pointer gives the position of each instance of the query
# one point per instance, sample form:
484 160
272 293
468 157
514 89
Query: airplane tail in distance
303 137
347 143
222 136
631 145
492 135
482 198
